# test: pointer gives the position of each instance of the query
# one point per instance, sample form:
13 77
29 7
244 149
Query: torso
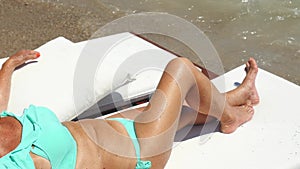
96 138
89 154
86 149
88 134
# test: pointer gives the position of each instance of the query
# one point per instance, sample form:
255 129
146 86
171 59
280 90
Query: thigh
157 124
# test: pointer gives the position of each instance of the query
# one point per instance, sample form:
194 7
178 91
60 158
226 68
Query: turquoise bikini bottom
129 125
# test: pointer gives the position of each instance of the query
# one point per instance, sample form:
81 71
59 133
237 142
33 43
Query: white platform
270 141
70 77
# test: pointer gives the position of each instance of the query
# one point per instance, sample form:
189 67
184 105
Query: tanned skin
105 143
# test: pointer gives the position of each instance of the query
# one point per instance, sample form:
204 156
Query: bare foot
234 117
246 93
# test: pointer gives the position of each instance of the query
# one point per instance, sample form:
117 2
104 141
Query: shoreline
28 24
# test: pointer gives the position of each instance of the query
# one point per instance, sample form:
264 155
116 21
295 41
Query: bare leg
242 97
157 124
159 121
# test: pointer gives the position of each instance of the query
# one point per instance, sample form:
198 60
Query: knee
182 70
179 62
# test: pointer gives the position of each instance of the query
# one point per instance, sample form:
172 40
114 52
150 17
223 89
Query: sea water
268 30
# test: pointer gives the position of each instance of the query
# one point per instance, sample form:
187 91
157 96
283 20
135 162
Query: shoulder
11 134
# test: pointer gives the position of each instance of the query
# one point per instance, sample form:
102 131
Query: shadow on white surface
190 132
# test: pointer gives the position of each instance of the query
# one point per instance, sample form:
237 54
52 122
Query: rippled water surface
268 30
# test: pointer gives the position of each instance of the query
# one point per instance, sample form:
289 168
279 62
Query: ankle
227 117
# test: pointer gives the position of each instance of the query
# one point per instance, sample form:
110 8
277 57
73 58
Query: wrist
8 65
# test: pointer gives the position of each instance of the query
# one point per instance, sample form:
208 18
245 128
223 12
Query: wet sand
27 24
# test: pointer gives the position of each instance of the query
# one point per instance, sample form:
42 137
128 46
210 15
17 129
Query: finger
30 54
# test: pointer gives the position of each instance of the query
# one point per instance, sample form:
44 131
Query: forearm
7 70
5 84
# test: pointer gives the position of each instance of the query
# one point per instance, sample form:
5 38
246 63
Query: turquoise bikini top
43 135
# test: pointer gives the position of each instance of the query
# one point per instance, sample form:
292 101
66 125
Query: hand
21 57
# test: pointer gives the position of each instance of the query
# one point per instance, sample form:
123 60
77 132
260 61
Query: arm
6 73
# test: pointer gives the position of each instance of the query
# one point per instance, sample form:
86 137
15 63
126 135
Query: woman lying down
138 139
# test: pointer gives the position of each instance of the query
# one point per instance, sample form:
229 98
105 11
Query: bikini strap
129 125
